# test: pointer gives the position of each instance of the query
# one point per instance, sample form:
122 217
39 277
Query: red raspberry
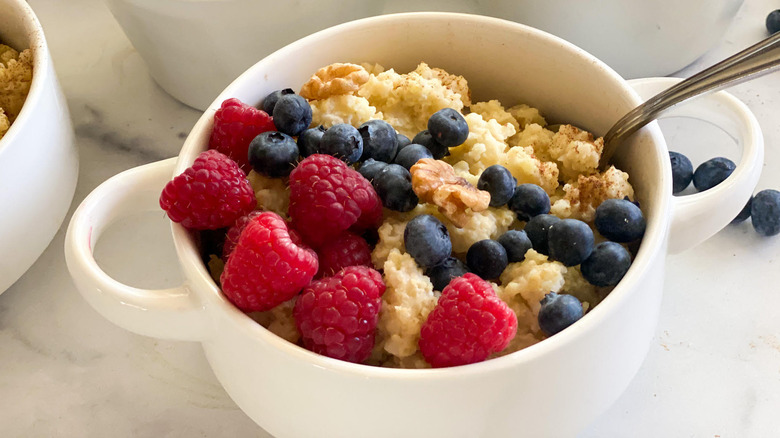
211 194
328 197
266 268
234 232
337 315
236 124
346 250
467 325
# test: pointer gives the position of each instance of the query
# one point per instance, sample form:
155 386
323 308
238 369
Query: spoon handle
756 60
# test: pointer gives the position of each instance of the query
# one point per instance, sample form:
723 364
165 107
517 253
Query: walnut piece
435 181
334 80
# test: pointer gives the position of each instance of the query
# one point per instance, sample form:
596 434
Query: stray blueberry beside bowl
606 265
393 184
292 114
536 229
516 243
487 258
425 138
558 311
744 214
269 102
379 141
411 154
765 212
773 21
370 168
712 172
427 240
273 153
529 200
570 241
444 272
499 182
309 141
448 127
620 220
342 141
682 171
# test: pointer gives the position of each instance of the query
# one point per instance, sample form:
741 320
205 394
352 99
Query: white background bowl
553 388
38 158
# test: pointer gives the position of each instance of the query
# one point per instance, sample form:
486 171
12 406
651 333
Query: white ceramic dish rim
40 66
187 250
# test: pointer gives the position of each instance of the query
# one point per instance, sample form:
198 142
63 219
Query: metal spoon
755 61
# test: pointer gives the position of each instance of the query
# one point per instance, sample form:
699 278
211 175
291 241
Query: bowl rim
652 245
40 55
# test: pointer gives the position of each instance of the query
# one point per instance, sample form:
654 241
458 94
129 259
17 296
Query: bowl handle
165 313
696 217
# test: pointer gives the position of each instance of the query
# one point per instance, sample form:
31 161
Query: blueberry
620 220
393 184
273 153
765 212
558 311
606 265
744 214
499 182
411 154
570 241
712 172
444 272
448 127
342 141
370 168
426 139
309 141
427 240
773 21
516 243
536 229
682 171
270 101
402 141
529 200
379 141
292 114
487 258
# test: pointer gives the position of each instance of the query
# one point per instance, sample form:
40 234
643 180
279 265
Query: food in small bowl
36 143
552 388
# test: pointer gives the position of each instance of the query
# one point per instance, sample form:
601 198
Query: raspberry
337 315
210 194
346 250
467 325
236 124
327 197
234 232
266 267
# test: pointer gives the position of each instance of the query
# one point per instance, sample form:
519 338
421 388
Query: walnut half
333 80
435 182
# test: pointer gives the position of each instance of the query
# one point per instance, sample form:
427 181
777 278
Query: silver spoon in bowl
755 61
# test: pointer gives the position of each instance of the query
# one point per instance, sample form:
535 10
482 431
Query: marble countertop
713 369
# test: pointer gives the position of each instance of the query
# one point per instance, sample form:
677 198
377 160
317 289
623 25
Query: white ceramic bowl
554 388
38 158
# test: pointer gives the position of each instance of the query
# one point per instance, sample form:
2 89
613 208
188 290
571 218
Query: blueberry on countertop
536 229
712 172
765 212
273 153
444 272
425 138
427 240
499 182
370 168
411 154
379 141
744 214
487 258
269 102
309 141
529 200
393 184
342 141
516 243
448 127
682 171
292 114
606 265
570 241
558 311
620 220
773 21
